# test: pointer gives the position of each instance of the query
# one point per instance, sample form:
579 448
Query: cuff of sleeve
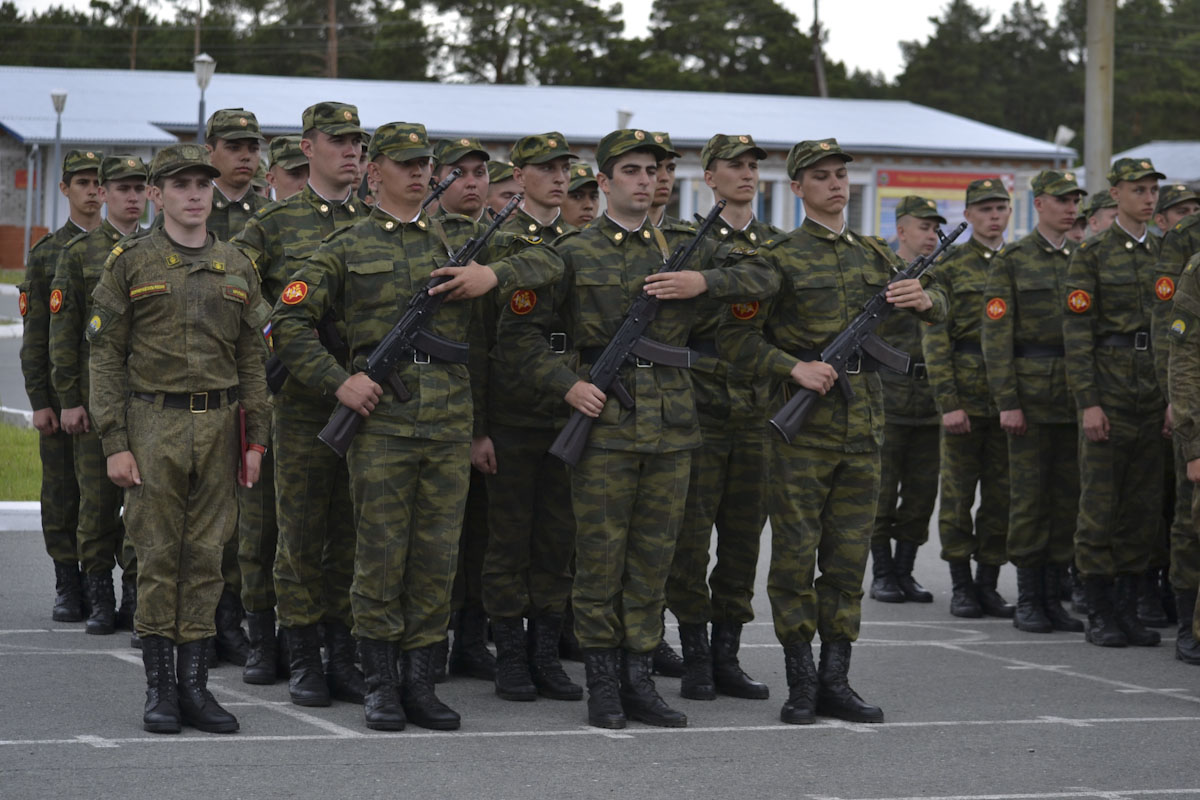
1087 399
1008 403
71 399
333 379
40 400
781 364
1190 449
947 404
561 381
113 442
258 448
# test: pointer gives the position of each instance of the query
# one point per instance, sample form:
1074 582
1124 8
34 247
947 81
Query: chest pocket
370 286
601 291
820 305
1120 288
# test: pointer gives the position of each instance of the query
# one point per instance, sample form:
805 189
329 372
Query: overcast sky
863 33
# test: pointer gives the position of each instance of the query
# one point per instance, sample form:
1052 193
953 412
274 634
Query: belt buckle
642 363
558 341
420 357
853 365
920 371
1141 340
192 402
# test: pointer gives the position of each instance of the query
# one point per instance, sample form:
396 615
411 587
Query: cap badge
987 184
824 145
1145 165
744 139
90 154
658 139
464 142
346 115
243 121
552 142
639 135
412 137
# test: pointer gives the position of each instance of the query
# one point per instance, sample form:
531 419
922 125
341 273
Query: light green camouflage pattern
1185 401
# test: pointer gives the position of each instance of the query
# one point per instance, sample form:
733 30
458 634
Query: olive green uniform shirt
34 302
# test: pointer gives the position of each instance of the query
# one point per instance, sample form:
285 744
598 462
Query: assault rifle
856 342
408 337
627 344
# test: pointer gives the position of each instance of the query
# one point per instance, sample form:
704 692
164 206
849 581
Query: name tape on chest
148 289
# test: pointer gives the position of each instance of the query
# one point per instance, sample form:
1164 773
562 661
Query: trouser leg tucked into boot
197 706
1078 595
964 602
470 656
835 698
801 705
68 593
640 697
306 685
162 696
102 598
905 558
697 681
1150 600
1187 649
420 702
381 705
883 573
993 605
1057 584
261 665
568 645
345 681
603 669
1127 616
1103 629
128 602
728 675
1031 615
544 667
513 681
232 644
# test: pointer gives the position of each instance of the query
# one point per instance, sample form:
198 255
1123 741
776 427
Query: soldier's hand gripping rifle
326 328
409 335
627 343
858 340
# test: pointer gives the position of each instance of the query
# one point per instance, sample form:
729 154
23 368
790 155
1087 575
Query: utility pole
331 42
818 56
199 16
1098 92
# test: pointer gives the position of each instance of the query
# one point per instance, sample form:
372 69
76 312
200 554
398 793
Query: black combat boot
905 558
68 593
162 696
197 706
603 669
727 670
1150 600
441 655
470 656
1187 649
513 681
1057 588
381 706
1078 595
1031 600
102 598
568 645
128 602
964 602
883 571
306 685
697 682
345 681
232 645
835 698
801 705
667 662
1127 616
421 705
261 667
544 667
1103 629
640 698
990 601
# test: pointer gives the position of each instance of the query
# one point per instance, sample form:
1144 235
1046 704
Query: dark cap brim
208 169
545 158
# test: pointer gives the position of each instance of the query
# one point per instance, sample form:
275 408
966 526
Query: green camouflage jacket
1183 335
34 304
228 217
1178 245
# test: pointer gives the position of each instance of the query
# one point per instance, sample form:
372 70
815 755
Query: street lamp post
204 66
59 98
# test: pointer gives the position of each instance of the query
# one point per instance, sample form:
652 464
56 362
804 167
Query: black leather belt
558 341
1039 351
196 402
1138 341
964 346
418 357
705 347
854 365
589 355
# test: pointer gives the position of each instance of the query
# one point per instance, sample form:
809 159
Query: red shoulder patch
56 301
23 303
744 311
1079 301
294 292
1164 288
522 301
996 308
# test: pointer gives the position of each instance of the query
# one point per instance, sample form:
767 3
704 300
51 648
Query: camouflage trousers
628 509
257 538
101 533
60 496
527 568
1043 470
1185 538
314 556
978 458
182 514
1160 545
1120 495
727 488
472 546
822 505
908 483
409 496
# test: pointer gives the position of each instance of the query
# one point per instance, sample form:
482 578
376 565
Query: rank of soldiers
1055 376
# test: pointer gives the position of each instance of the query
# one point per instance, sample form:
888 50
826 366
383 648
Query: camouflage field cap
335 119
810 151
451 151
664 138
1132 169
1173 194
259 179
285 152
123 166
540 148
79 160
581 176
499 171
625 140
1056 183
400 141
1098 201
919 207
725 145
179 157
986 189
232 123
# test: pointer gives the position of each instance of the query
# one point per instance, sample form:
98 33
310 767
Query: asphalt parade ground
976 710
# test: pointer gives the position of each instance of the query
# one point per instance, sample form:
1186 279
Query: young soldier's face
545 184
185 198
334 160
1057 213
126 200
1078 230
500 193
917 236
580 206
733 179
83 192
825 186
664 182
1102 220
237 159
989 218
1168 219
287 182
631 188
1136 199
402 183
466 195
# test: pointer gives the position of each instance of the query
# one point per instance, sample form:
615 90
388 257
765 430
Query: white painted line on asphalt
288 710
1156 691
853 727
131 658
97 741
1074 723
1104 794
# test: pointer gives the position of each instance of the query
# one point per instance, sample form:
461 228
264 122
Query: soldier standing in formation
664 181
502 186
583 196
288 172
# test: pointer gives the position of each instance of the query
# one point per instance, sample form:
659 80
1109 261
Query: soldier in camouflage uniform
307 573
825 482
1111 374
1024 355
288 173
234 140
728 482
583 196
100 533
1101 212
259 182
664 187
501 185
177 353
908 475
409 463
60 490
974 449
